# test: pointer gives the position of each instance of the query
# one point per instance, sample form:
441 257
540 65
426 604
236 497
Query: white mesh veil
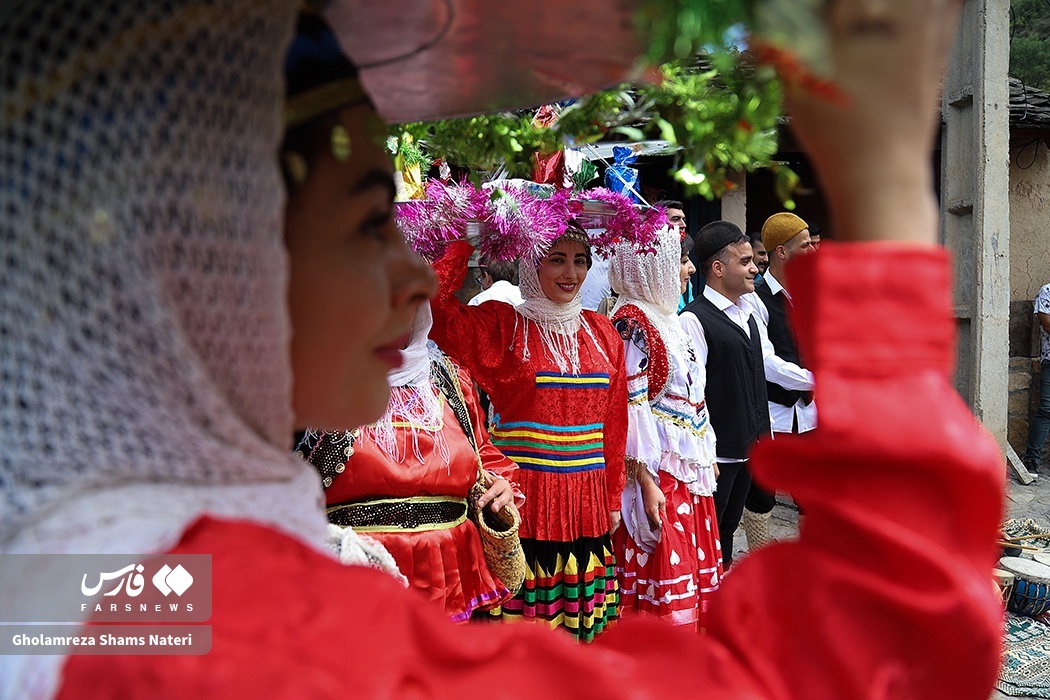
142 310
650 279
144 372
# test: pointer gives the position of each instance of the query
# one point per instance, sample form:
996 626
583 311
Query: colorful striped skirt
676 580
568 584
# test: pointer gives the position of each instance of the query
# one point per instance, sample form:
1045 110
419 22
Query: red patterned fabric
447 565
886 594
659 365
489 339
677 580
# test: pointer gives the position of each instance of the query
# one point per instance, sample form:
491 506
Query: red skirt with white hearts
676 580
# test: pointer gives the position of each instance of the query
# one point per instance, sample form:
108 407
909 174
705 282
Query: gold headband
577 235
325 98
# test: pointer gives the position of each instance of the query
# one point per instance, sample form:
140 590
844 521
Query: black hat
715 236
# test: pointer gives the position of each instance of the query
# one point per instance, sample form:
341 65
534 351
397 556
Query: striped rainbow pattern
551 448
555 380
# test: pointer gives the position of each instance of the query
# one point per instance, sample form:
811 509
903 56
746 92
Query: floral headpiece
513 220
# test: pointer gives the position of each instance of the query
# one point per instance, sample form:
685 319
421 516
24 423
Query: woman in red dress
408 476
554 373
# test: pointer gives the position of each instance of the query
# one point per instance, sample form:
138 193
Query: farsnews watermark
153 640
47 600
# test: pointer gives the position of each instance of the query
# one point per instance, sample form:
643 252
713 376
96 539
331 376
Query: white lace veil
144 337
650 279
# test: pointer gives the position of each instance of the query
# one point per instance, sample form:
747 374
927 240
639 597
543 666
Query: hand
498 494
872 148
614 521
717 471
654 502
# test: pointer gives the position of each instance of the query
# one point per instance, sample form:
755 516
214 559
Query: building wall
1029 270
1029 220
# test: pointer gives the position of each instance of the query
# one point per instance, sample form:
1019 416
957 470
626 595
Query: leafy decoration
721 116
717 105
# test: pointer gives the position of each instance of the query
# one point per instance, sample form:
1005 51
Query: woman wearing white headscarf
152 274
407 478
554 373
668 555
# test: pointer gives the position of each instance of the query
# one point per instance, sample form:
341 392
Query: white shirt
501 290
596 286
739 314
1042 306
783 417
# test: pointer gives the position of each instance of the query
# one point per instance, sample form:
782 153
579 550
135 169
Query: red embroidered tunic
448 565
567 433
887 593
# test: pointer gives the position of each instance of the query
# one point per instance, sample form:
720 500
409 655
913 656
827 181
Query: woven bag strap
446 378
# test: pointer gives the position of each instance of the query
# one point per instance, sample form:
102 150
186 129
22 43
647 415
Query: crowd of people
163 342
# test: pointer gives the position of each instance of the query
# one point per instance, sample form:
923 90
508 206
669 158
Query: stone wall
1024 390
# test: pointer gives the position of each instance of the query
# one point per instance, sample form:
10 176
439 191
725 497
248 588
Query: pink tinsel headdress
430 224
514 221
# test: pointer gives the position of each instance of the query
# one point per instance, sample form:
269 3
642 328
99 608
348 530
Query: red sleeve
492 460
615 430
471 335
886 594
289 623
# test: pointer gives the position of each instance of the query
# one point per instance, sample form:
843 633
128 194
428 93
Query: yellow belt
411 514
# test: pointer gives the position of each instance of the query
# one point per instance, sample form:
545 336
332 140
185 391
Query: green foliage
723 120
680 29
1030 43
721 117
407 152
722 112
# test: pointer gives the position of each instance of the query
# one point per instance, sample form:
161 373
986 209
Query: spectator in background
1040 425
789 385
499 282
675 213
596 288
758 249
814 236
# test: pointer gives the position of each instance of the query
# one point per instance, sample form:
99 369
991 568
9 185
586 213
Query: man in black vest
788 384
729 343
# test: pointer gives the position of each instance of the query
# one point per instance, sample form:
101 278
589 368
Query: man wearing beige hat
789 386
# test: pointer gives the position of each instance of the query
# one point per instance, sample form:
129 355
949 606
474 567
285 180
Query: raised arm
902 487
472 335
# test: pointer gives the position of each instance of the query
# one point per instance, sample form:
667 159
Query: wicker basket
499 540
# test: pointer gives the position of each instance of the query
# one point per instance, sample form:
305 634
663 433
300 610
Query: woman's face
687 271
355 284
563 270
